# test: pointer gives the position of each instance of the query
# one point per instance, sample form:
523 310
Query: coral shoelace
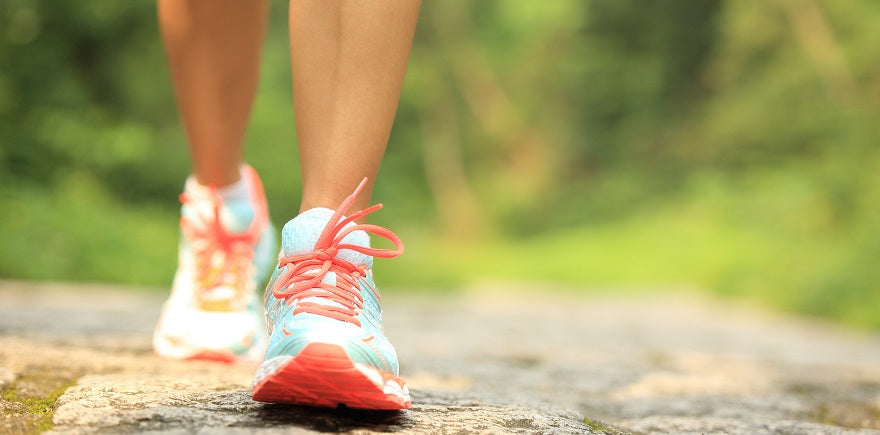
222 258
304 274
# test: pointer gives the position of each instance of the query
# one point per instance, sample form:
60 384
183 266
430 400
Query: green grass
78 233
707 243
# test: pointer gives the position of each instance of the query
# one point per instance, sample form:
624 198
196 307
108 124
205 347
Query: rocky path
491 360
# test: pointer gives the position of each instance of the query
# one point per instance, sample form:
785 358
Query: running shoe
226 251
327 347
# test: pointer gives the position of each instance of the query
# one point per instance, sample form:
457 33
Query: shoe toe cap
360 346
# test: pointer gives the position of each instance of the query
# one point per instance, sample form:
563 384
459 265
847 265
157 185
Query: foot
327 347
226 250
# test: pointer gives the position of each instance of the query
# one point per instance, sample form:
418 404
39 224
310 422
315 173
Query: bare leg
348 60
213 50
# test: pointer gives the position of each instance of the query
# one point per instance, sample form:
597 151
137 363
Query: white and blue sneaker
327 347
226 251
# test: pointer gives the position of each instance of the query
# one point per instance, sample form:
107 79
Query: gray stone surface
491 360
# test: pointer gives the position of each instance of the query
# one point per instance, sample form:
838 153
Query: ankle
332 202
237 191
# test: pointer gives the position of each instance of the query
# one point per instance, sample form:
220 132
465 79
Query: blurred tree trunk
527 156
461 213
815 35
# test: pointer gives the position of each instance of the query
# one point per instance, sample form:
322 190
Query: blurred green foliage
726 145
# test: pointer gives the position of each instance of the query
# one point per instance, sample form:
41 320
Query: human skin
215 71
348 60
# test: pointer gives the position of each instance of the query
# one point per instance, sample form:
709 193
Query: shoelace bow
208 237
304 274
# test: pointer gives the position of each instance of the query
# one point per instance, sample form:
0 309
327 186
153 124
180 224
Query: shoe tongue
235 216
300 234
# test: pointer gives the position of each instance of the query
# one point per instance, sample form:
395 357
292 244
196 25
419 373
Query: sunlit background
619 145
